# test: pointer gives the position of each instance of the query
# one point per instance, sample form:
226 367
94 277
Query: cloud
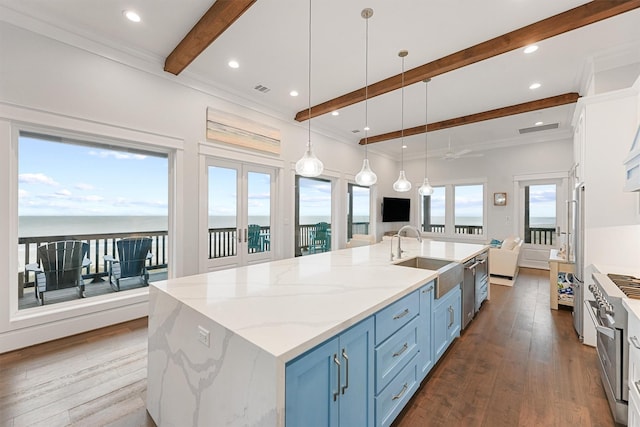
103 154
92 198
83 186
64 193
22 194
36 178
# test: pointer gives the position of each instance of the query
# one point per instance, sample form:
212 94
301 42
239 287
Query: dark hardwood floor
517 364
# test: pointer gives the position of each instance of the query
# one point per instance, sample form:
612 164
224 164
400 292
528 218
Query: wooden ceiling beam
525 107
213 23
572 19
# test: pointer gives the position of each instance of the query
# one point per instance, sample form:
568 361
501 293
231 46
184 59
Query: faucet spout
403 228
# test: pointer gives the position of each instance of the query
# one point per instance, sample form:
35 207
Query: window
358 216
313 215
433 211
468 209
98 194
540 214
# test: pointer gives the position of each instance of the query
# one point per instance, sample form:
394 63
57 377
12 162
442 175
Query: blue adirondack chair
133 254
61 265
256 241
320 238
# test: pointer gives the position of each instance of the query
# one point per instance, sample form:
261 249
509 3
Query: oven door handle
611 333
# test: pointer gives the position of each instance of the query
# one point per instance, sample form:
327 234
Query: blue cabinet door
357 363
446 321
332 385
310 387
425 341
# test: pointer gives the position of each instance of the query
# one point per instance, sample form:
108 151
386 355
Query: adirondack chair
61 265
256 241
133 254
320 238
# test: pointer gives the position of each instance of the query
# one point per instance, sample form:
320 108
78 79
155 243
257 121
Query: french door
240 214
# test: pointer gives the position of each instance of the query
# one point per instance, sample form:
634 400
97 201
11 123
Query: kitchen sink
450 273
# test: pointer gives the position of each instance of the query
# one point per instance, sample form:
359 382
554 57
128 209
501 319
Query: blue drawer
395 316
390 402
395 353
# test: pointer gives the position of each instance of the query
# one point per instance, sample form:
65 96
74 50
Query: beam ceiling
572 19
213 23
554 101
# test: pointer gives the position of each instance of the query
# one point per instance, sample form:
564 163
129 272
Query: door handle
337 362
346 362
239 233
246 235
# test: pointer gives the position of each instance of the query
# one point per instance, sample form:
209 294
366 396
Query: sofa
503 261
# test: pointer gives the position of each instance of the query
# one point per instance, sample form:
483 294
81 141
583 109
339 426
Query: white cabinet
633 334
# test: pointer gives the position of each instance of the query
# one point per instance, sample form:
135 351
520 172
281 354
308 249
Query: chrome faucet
403 228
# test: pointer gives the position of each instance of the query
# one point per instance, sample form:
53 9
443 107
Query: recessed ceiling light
131 15
404 146
531 48
294 93
335 113
534 86
539 123
367 128
234 64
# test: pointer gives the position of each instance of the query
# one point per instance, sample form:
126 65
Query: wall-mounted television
395 209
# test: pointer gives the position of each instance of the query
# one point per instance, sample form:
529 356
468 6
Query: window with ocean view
92 218
468 209
540 214
358 210
434 211
313 216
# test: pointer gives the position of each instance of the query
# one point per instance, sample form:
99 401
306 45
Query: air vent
262 89
538 128
356 131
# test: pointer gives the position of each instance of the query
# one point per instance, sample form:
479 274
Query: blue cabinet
425 331
332 385
446 321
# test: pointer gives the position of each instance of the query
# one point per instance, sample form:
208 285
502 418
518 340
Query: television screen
395 210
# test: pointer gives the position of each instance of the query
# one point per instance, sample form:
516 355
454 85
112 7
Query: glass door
240 220
313 216
358 215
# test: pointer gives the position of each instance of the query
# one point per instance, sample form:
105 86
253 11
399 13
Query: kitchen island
219 343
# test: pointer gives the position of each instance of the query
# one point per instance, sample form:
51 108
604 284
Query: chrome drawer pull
402 392
346 359
402 350
429 289
401 315
337 362
634 340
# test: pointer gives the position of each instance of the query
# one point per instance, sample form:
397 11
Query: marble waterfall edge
230 382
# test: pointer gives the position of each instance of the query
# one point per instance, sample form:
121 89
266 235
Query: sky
63 179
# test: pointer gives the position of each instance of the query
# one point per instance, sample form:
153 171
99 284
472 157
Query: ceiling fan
453 155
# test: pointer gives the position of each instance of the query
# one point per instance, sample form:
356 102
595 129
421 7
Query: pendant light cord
426 123
309 82
402 120
366 89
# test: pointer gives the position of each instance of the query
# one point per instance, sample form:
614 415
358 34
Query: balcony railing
459 229
540 236
99 245
223 242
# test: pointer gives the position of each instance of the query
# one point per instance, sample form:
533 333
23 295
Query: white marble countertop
287 307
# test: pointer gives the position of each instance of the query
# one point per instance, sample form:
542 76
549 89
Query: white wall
47 82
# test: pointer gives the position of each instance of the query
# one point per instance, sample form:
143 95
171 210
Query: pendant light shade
366 177
402 184
425 189
309 165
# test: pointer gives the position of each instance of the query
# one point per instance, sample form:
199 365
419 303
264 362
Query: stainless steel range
610 319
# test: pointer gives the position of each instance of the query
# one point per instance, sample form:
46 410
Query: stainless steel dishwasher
469 292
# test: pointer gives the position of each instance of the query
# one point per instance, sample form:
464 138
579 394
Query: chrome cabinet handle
401 315
346 359
634 340
429 289
637 383
450 316
402 350
402 392
337 362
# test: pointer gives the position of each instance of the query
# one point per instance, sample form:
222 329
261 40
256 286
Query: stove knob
592 289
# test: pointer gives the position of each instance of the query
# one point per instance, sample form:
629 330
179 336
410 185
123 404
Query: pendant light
366 177
425 189
309 165
402 184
